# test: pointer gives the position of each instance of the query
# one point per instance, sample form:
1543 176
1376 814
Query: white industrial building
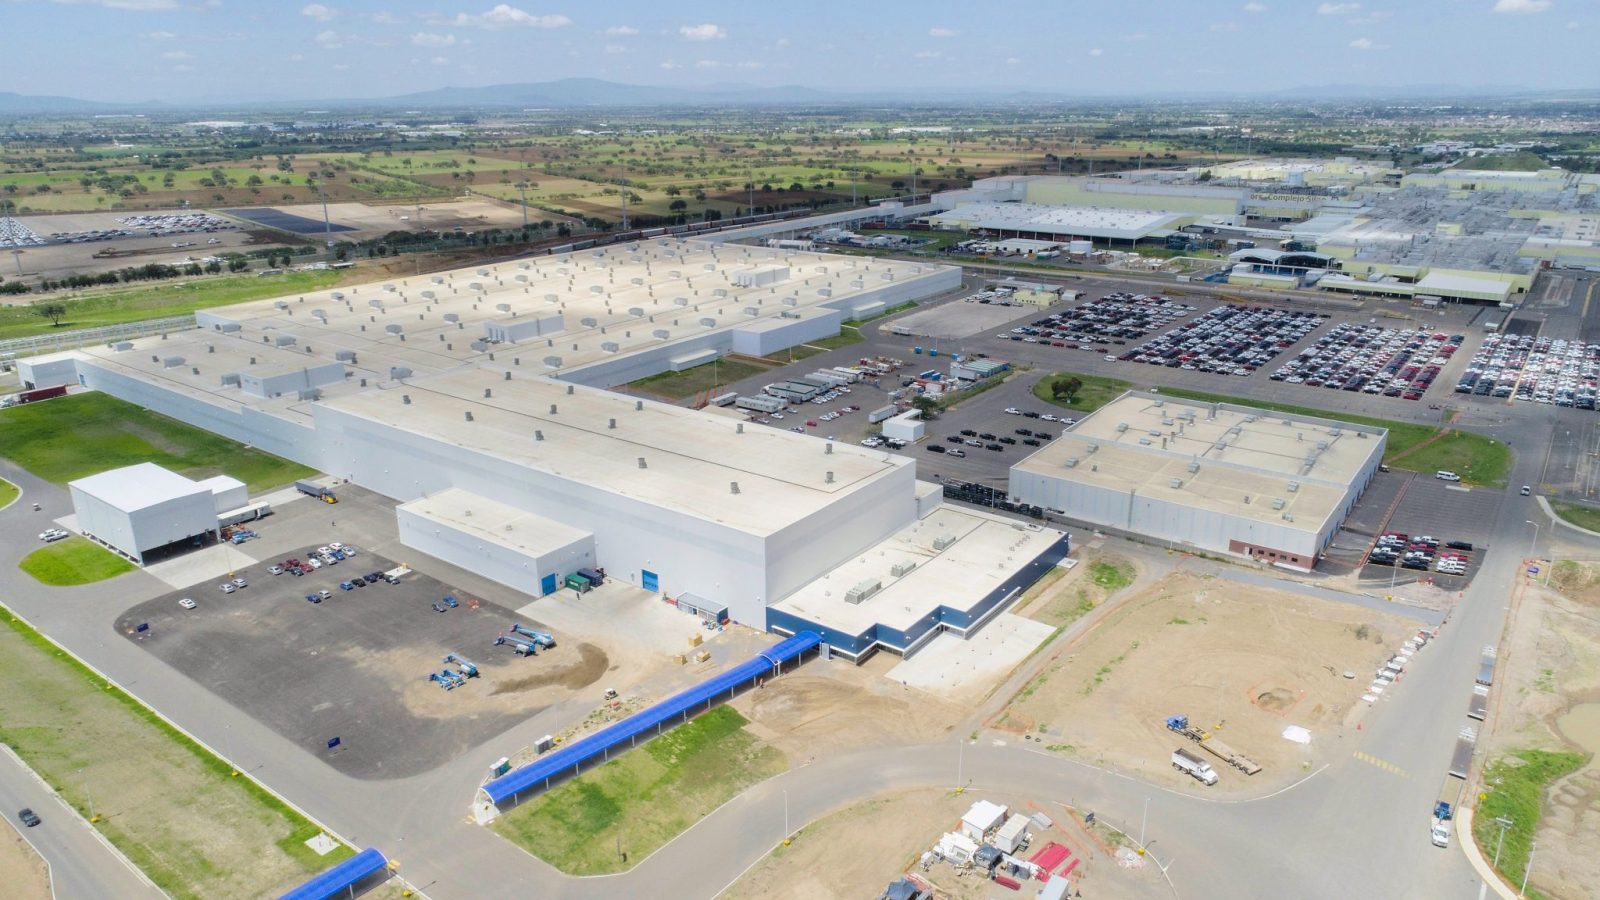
477 399
141 508
1216 477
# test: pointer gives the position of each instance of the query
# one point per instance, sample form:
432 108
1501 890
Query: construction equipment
520 646
447 679
1212 745
468 667
538 637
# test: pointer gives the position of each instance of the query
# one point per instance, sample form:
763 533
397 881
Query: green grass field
1578 514
1515 786
108 433
8 493
643 798
1110 576
1096 392
73 561
690 382
846 336
114 306
1477 459
181 814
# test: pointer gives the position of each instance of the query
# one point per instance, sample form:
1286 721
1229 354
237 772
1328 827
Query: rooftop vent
1175 482
1294 486
1278 503
405 399
1070 462
733 487
642 463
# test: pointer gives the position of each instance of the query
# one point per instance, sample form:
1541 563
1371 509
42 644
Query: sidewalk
1474 856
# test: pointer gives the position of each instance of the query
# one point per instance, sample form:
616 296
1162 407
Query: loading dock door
650 580
547 584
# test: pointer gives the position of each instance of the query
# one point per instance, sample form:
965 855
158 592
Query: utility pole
1504 823
1528 870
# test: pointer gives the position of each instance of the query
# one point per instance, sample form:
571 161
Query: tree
925 405
1067 387
55 312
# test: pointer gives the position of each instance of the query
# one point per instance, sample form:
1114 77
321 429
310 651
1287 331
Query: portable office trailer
760 403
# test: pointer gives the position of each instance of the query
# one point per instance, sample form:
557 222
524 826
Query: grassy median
1515 786
1578 514
73 561
8 493
642 798
71 437
1096 391
181 814
711 376
1413 447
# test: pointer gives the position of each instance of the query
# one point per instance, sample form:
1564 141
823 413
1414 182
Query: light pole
1535 541
1504 823
786 817
1142 819
1528 870
961 749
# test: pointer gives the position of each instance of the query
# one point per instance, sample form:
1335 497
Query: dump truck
1184 761
1461 757
1212 745
1478 706
316 490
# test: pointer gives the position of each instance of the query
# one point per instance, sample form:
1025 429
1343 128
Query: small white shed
982 818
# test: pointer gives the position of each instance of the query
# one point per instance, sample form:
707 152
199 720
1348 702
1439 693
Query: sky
219 50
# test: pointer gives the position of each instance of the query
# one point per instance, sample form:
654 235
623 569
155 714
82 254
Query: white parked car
227 587
187 603
53 534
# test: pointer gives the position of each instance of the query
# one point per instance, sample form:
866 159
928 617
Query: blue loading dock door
650 580
547 584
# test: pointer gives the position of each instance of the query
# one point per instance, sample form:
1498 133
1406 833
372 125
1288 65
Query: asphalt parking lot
1426 506
356 666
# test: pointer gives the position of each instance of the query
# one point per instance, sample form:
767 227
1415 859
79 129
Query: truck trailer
1486 667
35 395
1213 745
1461 757
1478 706
1193 765
316 490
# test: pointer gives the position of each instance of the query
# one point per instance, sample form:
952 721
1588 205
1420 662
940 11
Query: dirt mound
592 663
1276 700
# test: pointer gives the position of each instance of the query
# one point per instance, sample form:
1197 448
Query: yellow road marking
1386 766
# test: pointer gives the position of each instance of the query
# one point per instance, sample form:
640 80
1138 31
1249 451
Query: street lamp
1528 870
1535 536
1504 823
786 817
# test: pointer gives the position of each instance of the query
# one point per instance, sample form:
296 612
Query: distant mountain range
578 93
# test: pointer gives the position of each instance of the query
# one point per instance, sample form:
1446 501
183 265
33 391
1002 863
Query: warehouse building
1214 477
478 400
141 509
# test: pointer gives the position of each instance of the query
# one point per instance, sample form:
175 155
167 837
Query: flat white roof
987 550
1080 221
217 484
137 487
1462 285
691 458
496 523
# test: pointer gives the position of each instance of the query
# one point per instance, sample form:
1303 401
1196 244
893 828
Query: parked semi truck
35 395
1212 745
1461 757
316 490
1444 810
1198 768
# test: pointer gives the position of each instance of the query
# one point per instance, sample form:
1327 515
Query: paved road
81 867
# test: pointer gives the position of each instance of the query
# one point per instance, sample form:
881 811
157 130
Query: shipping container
595 578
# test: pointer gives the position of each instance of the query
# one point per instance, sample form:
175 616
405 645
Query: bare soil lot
21 870
356 666
1240 660
371 221
859 849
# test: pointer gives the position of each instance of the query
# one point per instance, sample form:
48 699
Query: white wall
796 555
145 529
763 339
47 371
509 566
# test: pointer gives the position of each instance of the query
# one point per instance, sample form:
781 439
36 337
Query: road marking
1587 296
1386 766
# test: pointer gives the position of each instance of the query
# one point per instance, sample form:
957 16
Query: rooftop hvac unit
429 295
1278 503
393 329
1294 486
483 271
1160 403
588 321
122 345
452 318
284 304
899 570
1194 467
1322 445
1092 448
522 278
232 378
943 542
636 311
348 356
1235 430
1144 442
500 307
1070 462
863 590
1175 483
1288 517
708 322
172 362
479 346
609 347
1362 435
596 289
1286 421
320 315
661 334
552 298
681 301
337 295
1168 423
1251 418
1122 426
388 287
552 362
1335 432
397 373
437 279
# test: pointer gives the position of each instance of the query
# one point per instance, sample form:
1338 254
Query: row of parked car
1228 340
1421 553
1372 360
1115 318
1534 370
331 555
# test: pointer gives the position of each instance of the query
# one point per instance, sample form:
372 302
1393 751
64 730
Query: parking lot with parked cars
1534 370
1372 360
1112 320
1228 340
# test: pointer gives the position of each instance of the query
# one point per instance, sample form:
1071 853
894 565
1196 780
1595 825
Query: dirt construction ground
21 870
1242 661
858 850
1550 699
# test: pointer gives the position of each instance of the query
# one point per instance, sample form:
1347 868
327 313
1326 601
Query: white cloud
176 55
926 54
429 39
329 40
318 11
1372 18
384 17
182 67
1521 7
1096 52
158 35
1362 43
615 49
942 32
704 32
1013 61
1223 27
782 42
669 64
622 31
341 67
1255 7
1136 36
130 5
1338 9
505 15
1573 26
440 61
297 57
